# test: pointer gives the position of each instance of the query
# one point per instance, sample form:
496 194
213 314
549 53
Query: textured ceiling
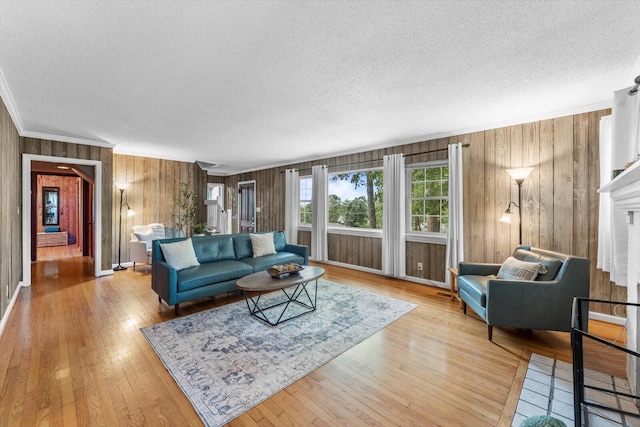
251 84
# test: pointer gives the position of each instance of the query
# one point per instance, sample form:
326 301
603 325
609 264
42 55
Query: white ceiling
253 84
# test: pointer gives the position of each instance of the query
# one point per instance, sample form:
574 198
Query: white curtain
319 205
291 203
393 216
626 124
455 241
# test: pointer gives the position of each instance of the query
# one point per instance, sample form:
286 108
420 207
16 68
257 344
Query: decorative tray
279 271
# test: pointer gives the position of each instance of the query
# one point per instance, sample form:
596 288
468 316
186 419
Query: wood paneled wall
10 207
152 194
69 196
560 199
46 147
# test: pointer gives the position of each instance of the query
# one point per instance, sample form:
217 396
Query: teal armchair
544 303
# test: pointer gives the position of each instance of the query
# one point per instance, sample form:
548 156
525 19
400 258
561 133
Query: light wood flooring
72 354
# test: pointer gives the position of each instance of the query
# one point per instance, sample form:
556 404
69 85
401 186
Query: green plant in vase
186 208
199 229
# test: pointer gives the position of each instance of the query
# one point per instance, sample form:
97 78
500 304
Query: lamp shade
122 185
520 173
506 217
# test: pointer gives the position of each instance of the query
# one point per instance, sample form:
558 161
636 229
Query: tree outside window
429 199
355 199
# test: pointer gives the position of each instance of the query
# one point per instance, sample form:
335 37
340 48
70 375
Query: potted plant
199 229
186 208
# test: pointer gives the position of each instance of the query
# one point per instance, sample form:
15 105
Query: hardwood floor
72 354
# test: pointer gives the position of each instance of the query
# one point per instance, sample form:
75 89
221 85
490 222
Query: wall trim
608 318
26 210
62 138
106 273
5 93
7 312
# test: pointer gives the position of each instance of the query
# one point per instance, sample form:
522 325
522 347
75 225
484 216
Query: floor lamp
519 175
122 186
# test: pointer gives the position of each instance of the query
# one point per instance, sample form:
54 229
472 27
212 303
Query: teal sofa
223 260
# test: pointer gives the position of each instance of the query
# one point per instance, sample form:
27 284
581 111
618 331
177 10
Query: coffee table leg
259 312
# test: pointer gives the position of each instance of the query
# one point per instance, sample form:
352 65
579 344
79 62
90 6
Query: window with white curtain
304 207
428 198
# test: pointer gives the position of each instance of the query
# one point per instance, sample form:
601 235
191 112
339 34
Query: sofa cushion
279 240
264 262
475 287
551 263
514 269
179 255
262 244
211 272
242 246
214 248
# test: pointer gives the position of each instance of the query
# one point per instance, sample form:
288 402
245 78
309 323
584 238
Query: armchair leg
490 332
134 266
177 309
464 308
160 300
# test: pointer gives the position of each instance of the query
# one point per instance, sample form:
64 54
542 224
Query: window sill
434 238
363 232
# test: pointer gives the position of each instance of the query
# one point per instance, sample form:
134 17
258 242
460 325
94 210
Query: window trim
421 236
298 223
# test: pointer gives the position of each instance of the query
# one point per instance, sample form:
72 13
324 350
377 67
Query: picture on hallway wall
50 206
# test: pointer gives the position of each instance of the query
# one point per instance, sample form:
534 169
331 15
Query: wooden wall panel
153 189
69 204
84 152
361 251
10 202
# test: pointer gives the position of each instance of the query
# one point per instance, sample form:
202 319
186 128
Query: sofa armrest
164 281
477 269
301 250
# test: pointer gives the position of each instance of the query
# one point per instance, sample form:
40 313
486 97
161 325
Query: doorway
216 215
89 178
247 207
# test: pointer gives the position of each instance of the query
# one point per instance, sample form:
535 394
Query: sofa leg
464 308
177 309
490 332
134 266
159 300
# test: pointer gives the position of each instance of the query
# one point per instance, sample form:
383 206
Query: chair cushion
514 269
475 287
212 272
552 264
262 244
145 236
179 255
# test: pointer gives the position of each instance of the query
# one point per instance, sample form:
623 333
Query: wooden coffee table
295 290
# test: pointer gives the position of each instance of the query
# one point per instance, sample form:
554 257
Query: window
429 198
304 208
355 199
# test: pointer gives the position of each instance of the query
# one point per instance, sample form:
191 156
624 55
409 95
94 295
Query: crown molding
6 96
70 139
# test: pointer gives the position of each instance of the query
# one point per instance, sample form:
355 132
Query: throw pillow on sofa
514 269
180 255
262 244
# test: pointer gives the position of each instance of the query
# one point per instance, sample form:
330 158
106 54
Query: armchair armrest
529 304
477 269
301 250
164 281
138 251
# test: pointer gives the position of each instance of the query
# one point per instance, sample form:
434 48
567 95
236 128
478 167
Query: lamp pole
120 267
519 182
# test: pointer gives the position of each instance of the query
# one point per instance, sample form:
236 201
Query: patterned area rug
226 361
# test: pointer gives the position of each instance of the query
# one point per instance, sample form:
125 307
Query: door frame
26 210
239 214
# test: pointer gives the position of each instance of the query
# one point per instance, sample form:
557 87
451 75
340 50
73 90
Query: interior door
247 207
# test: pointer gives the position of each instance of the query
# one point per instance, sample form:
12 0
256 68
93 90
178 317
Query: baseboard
607 318
427 282
106 273
7 312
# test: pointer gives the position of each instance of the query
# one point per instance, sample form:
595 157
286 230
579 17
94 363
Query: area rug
226 361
